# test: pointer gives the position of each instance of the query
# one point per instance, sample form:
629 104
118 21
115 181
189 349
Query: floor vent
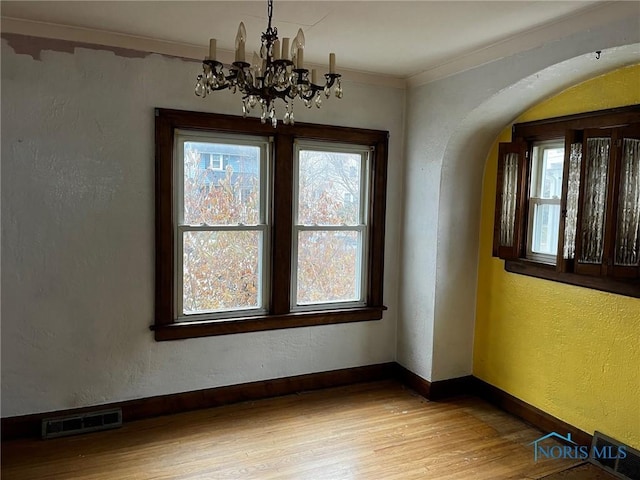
83 423
615 457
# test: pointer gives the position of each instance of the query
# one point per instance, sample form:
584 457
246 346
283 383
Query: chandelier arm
309 94
268 93
331 79
314 88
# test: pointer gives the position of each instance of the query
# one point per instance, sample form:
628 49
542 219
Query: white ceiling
392 38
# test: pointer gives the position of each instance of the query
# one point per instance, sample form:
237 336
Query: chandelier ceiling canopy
276 73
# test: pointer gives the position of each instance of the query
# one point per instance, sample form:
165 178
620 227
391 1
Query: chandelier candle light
278 72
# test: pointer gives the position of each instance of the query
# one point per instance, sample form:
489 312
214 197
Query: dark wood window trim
279 316
548 272
569 128
557 127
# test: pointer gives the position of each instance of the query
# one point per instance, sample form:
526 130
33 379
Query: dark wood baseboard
530 414
26 426
438 390
470 385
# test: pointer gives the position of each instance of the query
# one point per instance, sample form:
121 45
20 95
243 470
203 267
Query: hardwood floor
378 431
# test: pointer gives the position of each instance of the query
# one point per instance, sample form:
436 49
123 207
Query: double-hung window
544 200
330 227
260 228
568 200
222 231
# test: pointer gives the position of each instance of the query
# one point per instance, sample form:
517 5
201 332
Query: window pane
551 172
595 199
221 184
509 192
328 268
221 271
544 238
628 228
329 188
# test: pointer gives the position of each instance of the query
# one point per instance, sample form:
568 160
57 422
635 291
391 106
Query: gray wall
78 237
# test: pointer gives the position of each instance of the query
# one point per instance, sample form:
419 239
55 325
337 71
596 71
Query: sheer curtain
595 199
509 192
573 191
628 228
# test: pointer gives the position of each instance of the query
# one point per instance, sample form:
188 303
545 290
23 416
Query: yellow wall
572 352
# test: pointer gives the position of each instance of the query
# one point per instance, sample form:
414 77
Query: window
544 201
209 161
330 227
221 233
260 228
568 200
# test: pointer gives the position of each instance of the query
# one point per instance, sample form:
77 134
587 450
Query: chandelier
277 73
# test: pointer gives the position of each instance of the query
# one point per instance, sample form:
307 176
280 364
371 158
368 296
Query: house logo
572 450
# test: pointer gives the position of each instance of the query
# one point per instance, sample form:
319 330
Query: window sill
183 330
629 288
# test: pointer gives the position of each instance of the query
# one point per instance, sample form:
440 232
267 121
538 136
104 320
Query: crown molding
117 42
590 17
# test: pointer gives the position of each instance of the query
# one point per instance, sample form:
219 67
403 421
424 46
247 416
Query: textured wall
78 236
570 351
451 124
